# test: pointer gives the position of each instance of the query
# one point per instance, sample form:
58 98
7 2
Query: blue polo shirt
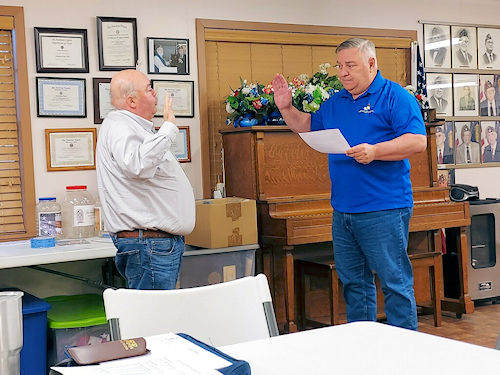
384 112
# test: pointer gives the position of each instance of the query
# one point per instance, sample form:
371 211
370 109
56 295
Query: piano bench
315 275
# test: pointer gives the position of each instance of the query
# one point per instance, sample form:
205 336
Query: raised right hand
282 93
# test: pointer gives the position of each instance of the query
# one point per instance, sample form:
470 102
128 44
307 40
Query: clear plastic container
48 217
78 213
99 219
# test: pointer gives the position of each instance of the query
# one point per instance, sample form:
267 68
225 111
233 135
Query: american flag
421 84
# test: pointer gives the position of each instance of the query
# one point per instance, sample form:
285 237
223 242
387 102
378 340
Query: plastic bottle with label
99 219
48 217
78 213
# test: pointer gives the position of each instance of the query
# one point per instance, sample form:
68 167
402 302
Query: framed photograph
444 143
437 46
61 50
489 104
102 99
468 150
182 145
443 177
465 90
168 56
464 47
70 149
488 48
61 97
490 149
440 93
182 93
117 43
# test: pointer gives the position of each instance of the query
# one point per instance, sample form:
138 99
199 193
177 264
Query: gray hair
365 46
121 89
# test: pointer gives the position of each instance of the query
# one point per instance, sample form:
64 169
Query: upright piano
291 184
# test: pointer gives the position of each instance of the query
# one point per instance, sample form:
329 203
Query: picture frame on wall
61 50
182 94
489 103
182 145
488 48
490 149
464 47
439 91
102 99
465 94
168 56
117 43
437 46
61 97
468 150
70 149
445 143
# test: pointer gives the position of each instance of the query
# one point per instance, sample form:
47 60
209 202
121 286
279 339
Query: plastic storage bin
33 356
208 266
75 321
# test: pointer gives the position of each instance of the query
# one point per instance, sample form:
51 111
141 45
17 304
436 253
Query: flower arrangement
422 100
253 103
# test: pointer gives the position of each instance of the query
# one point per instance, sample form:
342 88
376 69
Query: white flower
304 77
245 90
229 109
310 88
324 93
323 68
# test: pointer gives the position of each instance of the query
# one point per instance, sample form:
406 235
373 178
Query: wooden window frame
23 123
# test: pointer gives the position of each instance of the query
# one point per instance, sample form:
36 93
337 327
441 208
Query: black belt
146 233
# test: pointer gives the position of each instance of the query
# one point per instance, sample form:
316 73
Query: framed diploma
102 99
61 97
168 56
182 93
61 50
117 43
70 149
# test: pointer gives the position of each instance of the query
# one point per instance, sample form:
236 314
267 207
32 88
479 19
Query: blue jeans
375 241
149 263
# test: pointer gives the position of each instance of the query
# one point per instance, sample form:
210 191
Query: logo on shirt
366 109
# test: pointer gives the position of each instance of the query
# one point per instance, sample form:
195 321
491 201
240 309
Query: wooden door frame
204 25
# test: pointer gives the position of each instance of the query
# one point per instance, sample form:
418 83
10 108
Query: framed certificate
168 56
61 50
117 42
182 146
70 149
102 99
61 97
182 93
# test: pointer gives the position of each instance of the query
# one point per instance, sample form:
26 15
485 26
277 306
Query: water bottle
48 217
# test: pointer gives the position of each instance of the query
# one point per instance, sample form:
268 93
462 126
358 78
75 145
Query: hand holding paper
329 141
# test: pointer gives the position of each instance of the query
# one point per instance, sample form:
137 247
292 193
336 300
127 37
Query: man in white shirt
491 152
489 56
147 200
488 106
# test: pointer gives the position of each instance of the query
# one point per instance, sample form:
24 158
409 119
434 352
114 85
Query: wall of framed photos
462 65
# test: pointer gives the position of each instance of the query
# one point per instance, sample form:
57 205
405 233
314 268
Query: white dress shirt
141 184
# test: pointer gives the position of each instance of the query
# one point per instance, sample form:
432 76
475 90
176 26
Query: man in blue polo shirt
371 189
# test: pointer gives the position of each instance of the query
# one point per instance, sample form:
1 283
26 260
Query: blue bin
34 352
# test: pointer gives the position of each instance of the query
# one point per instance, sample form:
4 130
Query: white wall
167 18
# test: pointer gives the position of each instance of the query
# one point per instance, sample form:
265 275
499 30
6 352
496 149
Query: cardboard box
224 222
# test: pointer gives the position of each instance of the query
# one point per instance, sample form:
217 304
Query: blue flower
309 97
254 92
264 101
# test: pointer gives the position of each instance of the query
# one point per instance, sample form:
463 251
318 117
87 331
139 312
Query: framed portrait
490 149
437 46
445 143
182 94
102 99
61 50
70 149
168 56
465 92
61 97
117 43
488 48
467 139
464 47
489 103
440 93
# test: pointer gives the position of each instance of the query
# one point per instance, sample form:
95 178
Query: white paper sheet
329 141
170 354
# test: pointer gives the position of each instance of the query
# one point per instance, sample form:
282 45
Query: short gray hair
121 89
365 46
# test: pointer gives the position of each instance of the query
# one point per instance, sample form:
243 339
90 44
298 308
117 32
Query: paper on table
170 354
329 141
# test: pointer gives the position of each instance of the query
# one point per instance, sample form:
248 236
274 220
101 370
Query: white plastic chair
221 314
